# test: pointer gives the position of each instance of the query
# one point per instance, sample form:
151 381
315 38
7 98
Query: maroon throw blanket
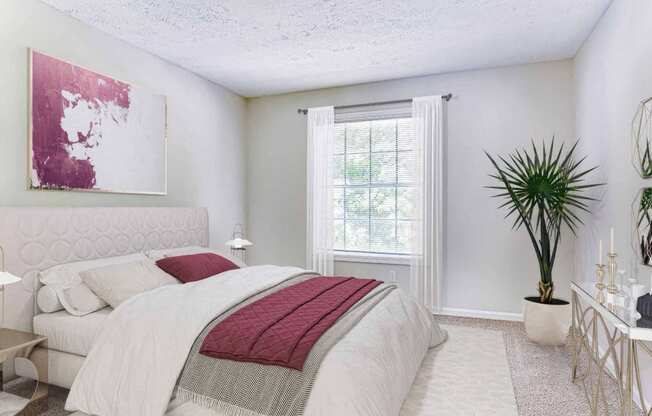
281 328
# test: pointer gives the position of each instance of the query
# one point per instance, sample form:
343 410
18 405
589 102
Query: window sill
351 257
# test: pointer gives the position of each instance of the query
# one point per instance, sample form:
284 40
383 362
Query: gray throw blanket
249 389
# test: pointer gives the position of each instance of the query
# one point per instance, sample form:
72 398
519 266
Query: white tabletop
614 312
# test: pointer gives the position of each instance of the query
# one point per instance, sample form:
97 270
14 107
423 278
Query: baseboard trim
475 313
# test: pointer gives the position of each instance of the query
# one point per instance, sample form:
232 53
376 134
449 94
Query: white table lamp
238 244
6 278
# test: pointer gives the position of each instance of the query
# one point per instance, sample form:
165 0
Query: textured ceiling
261 47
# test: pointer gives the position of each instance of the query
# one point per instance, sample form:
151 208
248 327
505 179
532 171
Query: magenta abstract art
91 132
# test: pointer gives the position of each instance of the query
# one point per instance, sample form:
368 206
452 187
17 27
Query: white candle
600 253
611 242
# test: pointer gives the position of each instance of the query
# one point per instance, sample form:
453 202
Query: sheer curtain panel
427 235
320 236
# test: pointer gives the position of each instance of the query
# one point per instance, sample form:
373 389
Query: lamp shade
239 243
7 278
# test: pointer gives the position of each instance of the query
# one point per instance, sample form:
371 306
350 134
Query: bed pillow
74 295
47 300
118 282
180 251
193 267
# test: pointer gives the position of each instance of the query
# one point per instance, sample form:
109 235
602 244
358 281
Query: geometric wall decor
642 224
642 139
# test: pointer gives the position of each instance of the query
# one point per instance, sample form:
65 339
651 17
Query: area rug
468 375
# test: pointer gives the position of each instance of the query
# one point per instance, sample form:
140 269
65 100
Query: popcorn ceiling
262 47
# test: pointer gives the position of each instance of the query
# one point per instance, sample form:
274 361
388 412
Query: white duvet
136 360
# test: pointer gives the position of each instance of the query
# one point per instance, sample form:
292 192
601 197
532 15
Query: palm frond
543 189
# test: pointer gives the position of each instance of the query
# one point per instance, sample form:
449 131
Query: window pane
406 167
383 135
357 203
357 235
383 236
338 170
339 234
340 129
383 202
403 237
405 203
383 167
338 203
357 137
405 129
373 175
357 169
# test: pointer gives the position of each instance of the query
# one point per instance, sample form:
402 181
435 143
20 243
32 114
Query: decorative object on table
543 189
90 132
599 273
6 278
612 265
238 243
644 306
641 139
642 217
636 291
600 281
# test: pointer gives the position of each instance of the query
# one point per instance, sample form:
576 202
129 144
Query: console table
623 338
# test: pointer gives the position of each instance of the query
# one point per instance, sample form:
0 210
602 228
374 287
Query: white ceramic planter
546 324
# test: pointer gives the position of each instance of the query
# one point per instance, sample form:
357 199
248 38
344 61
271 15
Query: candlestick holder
612 269
599 272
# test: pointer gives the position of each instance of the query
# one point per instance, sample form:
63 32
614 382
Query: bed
70 339
118 365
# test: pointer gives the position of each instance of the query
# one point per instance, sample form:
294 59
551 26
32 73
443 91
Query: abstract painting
90 132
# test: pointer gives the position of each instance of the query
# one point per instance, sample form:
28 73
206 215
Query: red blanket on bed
281 328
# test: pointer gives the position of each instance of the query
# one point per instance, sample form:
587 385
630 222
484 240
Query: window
374 186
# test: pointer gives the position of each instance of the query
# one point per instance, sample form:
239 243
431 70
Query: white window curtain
427 236
321 144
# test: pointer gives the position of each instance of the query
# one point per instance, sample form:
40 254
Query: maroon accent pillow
193 267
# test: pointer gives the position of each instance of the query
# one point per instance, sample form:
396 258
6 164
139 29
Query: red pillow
195 267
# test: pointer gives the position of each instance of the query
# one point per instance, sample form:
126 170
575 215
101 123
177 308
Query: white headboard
37 238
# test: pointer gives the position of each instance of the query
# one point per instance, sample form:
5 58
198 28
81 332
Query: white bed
118 365
68 333
70 339
35 239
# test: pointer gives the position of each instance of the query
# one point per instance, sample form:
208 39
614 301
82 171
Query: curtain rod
304 111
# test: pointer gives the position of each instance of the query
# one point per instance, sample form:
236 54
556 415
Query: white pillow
182 251
47 300
118 282
73 294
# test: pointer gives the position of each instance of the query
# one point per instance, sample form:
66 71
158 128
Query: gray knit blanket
235 388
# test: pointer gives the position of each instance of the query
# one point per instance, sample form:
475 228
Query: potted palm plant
543 190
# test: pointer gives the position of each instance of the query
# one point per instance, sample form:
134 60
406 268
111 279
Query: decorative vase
546 323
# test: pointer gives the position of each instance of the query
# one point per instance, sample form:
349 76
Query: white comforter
136 360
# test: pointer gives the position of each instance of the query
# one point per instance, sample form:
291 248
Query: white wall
205 121
487 265
613 73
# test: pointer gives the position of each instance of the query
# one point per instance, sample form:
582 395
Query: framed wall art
91 132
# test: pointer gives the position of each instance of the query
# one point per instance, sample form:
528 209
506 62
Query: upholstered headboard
37 238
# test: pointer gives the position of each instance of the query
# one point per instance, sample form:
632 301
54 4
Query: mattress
69 333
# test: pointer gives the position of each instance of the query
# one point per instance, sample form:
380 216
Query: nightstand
19 345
